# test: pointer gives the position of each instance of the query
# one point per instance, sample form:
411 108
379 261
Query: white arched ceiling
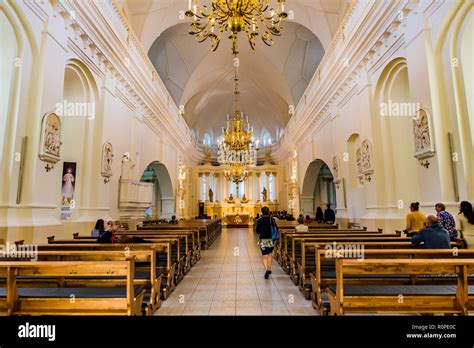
150 18
271 78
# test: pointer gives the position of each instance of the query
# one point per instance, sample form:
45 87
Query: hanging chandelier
253 17
237 149
237 173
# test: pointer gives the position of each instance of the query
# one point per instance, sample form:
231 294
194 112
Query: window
203 188
272 187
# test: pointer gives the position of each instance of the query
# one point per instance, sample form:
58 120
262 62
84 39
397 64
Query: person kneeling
433 235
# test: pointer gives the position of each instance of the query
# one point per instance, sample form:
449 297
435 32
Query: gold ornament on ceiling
255 18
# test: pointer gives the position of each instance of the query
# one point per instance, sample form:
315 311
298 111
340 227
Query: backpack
274 229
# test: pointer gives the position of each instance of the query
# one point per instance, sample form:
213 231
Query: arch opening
163 202
318 188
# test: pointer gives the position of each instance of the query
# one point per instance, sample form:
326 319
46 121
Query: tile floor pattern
228 280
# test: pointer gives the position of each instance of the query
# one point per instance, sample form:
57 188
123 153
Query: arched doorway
162 204
318 188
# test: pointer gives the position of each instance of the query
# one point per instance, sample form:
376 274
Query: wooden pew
283 245
193 234
184 248
312 225
209 229
178 249
405 299
166 264
190 247
146 273
324 274
15 300
293 242
299 260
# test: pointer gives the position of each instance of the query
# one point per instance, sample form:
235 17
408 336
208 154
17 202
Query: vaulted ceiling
271 78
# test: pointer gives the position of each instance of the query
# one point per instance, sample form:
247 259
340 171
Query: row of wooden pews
82 277
362 271
209 229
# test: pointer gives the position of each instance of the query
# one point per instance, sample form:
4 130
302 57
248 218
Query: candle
189 5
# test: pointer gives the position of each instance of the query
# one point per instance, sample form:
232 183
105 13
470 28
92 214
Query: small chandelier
253 17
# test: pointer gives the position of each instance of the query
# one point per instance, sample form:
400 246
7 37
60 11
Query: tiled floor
228 280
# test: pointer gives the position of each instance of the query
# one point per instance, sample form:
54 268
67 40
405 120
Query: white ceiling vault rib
272 78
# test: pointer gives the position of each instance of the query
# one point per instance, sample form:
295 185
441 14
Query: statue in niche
366 156
264 194
244 199
421 129
231 198
335 167
107 158
359 160
211 195
50 143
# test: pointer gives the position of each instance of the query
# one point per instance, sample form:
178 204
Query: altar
237 220
227 211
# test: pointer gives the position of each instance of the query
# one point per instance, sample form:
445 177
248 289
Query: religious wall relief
50 140
424 147
107 158
360 174
367 162
335 168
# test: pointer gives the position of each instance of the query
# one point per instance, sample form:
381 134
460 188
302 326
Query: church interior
157 156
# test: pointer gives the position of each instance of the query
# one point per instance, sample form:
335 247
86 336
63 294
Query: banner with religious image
68 185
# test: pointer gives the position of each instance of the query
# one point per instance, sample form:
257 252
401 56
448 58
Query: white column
275 187
259 189
224 188
267 184
207 187
217 187
250 187
199 186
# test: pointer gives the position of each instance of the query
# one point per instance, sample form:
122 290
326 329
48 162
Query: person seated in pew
290 218
308 220
466 220
319 215
173 220
329 215
446 220
433 235
110 236
301 227
415 220
98 229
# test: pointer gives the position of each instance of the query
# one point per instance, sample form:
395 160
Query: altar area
237 213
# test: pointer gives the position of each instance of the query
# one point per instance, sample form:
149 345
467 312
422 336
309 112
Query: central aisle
228 280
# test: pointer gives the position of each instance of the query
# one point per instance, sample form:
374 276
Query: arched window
206 140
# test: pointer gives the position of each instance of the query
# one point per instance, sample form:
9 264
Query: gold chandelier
253 17
237 149
236 173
